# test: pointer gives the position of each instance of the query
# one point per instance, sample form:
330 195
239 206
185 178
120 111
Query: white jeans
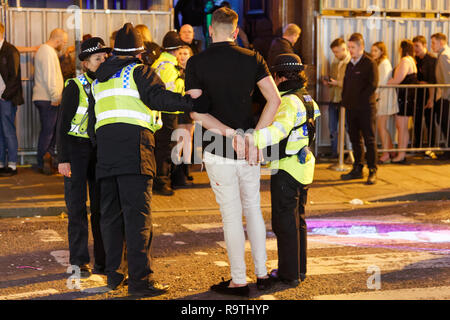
236 186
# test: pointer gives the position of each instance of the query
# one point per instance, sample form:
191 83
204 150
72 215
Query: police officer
127 95
77 160
290 135
167 68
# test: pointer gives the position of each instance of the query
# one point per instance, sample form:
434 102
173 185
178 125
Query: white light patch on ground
384 261
201 253
61 256
434 293
48 235
28 295
179 242
168 234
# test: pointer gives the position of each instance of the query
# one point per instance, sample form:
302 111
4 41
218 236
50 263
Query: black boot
356 173
372 179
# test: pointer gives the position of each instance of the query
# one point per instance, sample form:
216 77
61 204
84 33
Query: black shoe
288 282
99 270
8 172
115 284
264 284
164 191
154 289
180 185
356 173
85 270
372 179
224 288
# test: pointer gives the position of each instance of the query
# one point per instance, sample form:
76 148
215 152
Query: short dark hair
357 38
225 15
439 36
407 48
294 75
337 42
420 39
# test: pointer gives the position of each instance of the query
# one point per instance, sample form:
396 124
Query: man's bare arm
270 92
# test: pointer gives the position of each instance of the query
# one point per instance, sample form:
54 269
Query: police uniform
128 99
166 67
290 136
74 147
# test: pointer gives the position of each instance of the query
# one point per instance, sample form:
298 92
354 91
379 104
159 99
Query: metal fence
28 27
427 128
387 29
421 6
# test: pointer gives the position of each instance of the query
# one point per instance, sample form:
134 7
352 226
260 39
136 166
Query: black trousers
126 218
163 149
361 125
82 164
288 223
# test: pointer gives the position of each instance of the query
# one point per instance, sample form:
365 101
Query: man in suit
11 96
358 97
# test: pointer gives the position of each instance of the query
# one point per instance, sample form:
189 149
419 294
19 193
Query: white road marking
204 227
384 261
434 293
168 234
201 253
271 245
221 263
27 295
268 297
49 235
61 256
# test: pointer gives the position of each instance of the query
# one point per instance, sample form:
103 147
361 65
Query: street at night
395 245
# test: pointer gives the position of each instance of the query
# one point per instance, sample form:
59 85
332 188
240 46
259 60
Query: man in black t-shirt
426 66
228 74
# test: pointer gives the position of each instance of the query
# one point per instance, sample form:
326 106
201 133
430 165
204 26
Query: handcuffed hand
253 155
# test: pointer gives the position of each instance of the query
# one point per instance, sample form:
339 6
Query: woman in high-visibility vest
291 134
77 160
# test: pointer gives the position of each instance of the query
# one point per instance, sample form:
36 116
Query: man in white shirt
47 90
439 44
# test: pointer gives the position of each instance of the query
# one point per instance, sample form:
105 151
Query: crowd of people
369 109
123 129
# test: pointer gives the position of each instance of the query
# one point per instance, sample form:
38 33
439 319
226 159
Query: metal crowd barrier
434 124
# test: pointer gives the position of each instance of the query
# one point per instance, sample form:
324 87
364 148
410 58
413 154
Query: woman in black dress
405 73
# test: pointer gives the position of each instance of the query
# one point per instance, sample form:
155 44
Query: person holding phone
335 81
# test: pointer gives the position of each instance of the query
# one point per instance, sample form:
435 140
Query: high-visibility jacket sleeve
154 94
280 128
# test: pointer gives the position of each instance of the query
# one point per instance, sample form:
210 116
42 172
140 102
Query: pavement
31 194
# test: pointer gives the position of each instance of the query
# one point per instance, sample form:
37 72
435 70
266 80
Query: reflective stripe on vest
118 101
79 124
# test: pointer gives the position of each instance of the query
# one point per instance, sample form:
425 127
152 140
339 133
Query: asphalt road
385 251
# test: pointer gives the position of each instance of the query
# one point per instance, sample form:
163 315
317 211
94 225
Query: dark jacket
10 72
125 148
191 13
277 47
360 83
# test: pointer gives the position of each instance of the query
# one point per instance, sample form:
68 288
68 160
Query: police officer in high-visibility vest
128 99
290 137
167 68
77 160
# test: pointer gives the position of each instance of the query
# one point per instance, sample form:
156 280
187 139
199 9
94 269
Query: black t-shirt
426 68
227 74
